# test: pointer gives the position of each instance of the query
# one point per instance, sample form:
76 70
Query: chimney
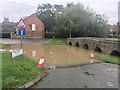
6 19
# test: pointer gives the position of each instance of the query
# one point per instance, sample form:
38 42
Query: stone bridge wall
106 46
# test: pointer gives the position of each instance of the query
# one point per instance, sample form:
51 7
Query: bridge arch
115 53
97 49
70 43
85 46
96 44
77 44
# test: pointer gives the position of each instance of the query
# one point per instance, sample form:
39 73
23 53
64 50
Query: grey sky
15 9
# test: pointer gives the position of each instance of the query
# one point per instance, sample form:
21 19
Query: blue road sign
21 32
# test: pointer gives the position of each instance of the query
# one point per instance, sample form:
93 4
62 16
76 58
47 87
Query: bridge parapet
97 44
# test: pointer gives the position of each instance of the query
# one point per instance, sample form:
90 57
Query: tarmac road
17 41
98 75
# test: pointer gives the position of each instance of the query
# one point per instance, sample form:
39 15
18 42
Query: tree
85 22
46 12
73 20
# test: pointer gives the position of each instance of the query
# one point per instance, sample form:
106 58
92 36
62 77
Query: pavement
98 75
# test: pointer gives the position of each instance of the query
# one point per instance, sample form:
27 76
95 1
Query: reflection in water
33 53
59 56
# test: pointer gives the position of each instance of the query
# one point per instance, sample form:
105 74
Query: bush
49 35
56 35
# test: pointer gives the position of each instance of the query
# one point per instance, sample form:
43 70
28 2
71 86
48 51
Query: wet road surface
99 75
17 41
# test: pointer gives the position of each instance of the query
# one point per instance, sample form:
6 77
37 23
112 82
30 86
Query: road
99 75
17 41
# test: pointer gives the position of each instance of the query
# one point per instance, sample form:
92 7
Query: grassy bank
15 75
114 39
2 45
112 59
57 42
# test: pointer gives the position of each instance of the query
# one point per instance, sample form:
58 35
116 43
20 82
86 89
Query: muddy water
58 56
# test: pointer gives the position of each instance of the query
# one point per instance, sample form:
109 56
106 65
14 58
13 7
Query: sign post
21 49
21 33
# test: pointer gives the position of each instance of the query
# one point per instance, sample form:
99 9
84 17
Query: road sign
21 24
21 28
17 52
21 32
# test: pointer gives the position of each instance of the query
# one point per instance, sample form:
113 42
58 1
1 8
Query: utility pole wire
20 4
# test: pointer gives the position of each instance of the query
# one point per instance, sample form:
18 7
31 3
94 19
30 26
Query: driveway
99 75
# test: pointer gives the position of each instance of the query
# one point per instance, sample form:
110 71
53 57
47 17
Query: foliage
15 75
74 18
50 35
82 22
46 12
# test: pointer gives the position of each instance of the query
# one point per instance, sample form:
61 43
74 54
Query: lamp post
70 31
70 28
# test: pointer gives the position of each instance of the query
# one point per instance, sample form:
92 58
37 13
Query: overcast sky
15 9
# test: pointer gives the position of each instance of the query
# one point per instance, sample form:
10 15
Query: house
0 27
114 31
119 17
119 12
0 30
7 28
34 27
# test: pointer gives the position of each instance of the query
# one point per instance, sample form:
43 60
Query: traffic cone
92 58
41 62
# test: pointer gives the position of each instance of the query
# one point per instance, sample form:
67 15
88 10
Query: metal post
70 31
21 49
12 58
70 28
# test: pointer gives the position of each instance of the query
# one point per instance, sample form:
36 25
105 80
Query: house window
33 27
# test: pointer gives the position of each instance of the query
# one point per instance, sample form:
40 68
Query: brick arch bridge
97 44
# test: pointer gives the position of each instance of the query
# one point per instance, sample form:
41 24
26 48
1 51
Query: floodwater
56 56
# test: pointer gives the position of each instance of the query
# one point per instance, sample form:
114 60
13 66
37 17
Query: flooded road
56 56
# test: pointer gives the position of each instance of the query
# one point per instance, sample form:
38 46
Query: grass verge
16 74
2 45
57 42
112 59
114 39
